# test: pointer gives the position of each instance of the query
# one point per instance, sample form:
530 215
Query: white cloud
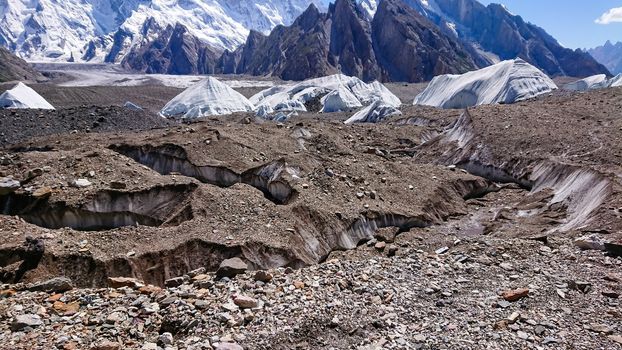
611 16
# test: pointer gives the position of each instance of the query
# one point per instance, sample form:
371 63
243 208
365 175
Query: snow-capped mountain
90 30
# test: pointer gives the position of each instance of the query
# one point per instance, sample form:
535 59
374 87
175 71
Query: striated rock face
411 48
495 30
398 45
173 51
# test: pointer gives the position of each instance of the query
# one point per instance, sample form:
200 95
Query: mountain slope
493 34
398 45
610 55
96 31
13 68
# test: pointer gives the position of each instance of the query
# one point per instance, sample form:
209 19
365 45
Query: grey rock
231 267
56 285
24 321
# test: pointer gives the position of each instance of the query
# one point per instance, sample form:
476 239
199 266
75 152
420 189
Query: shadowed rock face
174 51
496 30
411 48
399 45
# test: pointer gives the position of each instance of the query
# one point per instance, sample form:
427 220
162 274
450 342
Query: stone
515 295
611 294
442 250
106 345
197 272
115 317
8 185
166 339
616 338
263 276
590 242
245 302
120 282
522 335
80 183
24 321
392 250
42 192
600 328
539 330
299 284
54 285
149 289
66 309
506 266
380 245
228 346
515 316
231 268
174 282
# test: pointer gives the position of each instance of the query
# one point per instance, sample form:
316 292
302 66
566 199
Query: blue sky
572 22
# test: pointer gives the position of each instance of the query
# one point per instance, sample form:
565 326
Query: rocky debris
231 267
319 306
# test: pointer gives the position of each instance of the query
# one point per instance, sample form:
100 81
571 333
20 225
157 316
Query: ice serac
374 113
208 97
334 93
505 82
590 83
594 83
23 97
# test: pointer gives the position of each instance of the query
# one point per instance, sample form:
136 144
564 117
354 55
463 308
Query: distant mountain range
388 40
610 55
